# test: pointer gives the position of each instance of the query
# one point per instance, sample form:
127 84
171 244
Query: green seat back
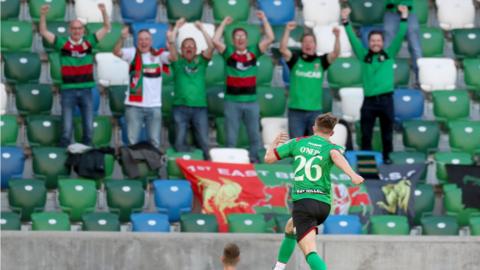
215 73
173 170
50 221
16 36
201 223
246 223
439 225
77 197
452 200
167 99
10 221
8 130
237 9
459 130
377 136
108 42
474 225
421 9
408 157
10 9
44 130
48 164
451 105
345 72
116 99
242 139
296 34
424 201
389 225
26 196
272 101
215 100
463 217
444 158
471 69
367 12
100 222
102 130
125 197
402 72
33 98
190 10
56 11
59 29
253 32
55 68
466 42
22 67
423 136
432 41
281 221
265 70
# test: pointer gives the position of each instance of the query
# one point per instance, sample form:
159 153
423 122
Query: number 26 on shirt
308 167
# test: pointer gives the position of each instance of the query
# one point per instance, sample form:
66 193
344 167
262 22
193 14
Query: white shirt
152 87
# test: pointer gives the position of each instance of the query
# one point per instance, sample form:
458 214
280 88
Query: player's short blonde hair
325 123
231 254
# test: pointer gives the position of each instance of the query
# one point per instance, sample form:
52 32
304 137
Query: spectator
190 101
231 256
76 60
391 22
378 79
144 98
241 70
306 80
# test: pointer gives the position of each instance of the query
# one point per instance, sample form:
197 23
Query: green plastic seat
452 200
432 41
281 221
422 136
44 130
50 221
463 217
8 130
246 223
471 69
265 70
173 170
48 164
459 130
27 196
408 157
215 100
107 222
242 140
33 98
59 29
444 158
439 225
215 73
345 72
77 197
474 225
402 72
238 10
167 99
389 225
22 67
10 221
16 36
116 99
377 136
10 9
200 223
55 68
421 9
125 197
424 201
108 42
272 101
102 130
190 10
56 11
295 35
451 105
466 42
253 32
367 12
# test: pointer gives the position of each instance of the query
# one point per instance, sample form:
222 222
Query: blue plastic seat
278 12
408 104
342 224
158 31
173 197
12 160
352 157
150 222
138 11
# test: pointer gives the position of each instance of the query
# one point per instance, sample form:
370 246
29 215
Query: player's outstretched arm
270 156
47 35
342 163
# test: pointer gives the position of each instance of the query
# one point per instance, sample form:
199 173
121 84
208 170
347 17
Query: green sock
287 248
315 262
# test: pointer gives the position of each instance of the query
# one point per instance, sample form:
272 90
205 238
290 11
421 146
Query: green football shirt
190 82
312 165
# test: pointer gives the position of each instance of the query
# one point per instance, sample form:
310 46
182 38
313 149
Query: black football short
307 214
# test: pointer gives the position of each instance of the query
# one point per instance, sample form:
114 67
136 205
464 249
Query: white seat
326 40
340 134
455 14
351 103
437 73
3 99
271 127
189 30
320 12
229 155
111 70
87 10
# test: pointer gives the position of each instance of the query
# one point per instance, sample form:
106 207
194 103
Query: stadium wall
118 251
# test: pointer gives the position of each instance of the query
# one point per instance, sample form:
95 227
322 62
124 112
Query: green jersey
190 82
312 165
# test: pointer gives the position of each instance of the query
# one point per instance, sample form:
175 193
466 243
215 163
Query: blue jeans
197 118
71 98
391 23
300 122
136 117
249 113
